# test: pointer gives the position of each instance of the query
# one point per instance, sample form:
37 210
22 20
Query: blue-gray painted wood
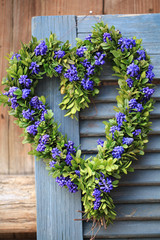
138 196
128 229
56 207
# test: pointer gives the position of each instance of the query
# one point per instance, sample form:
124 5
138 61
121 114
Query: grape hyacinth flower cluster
97 202
17 55
70 150
106 36
133 70
142 55
127 140
25 81
80 51
55 152
25 93
42 142
12 97
59 54
32 129
120 117
36 103
126 43
89 37
129 82
59 69
147 93
87 84
72 74
136 132
89 68
41 49
28 114
99 58
34 67
117 152
100 142
149 74
66 181
113 129
133 104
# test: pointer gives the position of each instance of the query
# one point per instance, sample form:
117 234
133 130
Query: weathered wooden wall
15 26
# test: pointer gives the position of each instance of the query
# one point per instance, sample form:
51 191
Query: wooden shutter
138 197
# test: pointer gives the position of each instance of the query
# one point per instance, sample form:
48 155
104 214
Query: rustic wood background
15 26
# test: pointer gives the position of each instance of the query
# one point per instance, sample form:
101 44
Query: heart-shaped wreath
78 69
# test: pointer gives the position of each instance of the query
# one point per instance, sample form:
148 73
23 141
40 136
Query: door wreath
78 69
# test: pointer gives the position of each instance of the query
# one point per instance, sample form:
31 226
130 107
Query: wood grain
131 6
17 204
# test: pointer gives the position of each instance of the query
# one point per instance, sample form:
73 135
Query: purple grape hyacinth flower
133 70
117 152
27 114
59 54
17 55
136 132
52 163
72 74
55 152
142 55
121 117
25 81
58 69
100 142
41 49
34 67
99 58
106 35
80 51
129 82
126 43
87 84
127 140
25 93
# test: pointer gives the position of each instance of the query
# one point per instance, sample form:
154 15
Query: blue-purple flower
36 103
106 36
41 49
133 104
117 152
121 117
127 140
100 142
141 55
70 147
99 58
136 132
52 163
149 74
58 69
133 70
129 82
105 184
89 37
80 51
68 159
72 74
87 84
41 147
28 114
55 152
126 43
25 81
59 54
14 103
34 67
113 129
25 93
77 172
147 93
17 55
32 129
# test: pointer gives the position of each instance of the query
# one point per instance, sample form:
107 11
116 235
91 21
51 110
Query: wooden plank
76 7
137 23
126 229
97 128
131 7
106 111
17 204
136 194
146 211
5 47
89 144
18 236
56 207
